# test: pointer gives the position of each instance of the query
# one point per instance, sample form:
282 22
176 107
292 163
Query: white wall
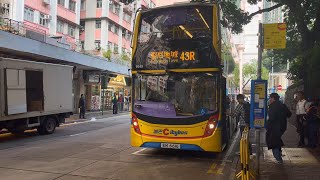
53 14
90 35
17 10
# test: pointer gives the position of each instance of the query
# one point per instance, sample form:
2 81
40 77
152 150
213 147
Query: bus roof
178 5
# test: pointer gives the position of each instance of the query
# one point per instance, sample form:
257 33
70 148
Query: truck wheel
48 126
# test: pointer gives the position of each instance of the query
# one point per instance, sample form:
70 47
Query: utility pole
258 132
272 78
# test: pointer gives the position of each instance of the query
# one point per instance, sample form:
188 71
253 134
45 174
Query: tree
278 64
249 72
236 77
303 30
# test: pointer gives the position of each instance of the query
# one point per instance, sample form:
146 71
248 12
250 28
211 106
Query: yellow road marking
216 168
221 168
212 168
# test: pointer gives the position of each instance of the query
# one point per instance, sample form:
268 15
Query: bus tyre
48 126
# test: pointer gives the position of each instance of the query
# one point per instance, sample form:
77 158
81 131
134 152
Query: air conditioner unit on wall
48 17
47 2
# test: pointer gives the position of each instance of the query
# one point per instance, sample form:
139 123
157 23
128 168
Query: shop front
117 86
93 92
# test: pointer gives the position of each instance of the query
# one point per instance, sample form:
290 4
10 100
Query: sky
168 2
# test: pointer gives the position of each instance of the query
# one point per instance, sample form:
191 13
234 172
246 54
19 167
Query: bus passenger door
225 119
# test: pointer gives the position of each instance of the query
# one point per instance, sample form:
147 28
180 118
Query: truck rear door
16 94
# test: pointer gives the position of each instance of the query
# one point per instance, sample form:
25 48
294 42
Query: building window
83 5
43 20
114 7
60 26
116 30
111 6
28 14
61 2
99 3
124 32
116 48
117 9
82 25
110 27
71 30
82 45
124 51
128 36
97 43
72 5
98 24
127 17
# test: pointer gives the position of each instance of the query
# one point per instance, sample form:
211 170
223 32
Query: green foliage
231 64
250 71
125 57
236 77
107 54
279 65
233 18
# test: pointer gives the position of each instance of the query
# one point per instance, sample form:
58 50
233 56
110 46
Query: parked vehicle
34 95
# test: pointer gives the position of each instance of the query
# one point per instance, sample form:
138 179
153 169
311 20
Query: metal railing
247 165
31 32
21 29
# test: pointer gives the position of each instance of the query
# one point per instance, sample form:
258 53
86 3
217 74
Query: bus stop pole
257 132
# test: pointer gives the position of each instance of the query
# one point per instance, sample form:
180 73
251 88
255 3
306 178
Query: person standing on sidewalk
115 104
120 103
82 107
301 108
276 123
313 124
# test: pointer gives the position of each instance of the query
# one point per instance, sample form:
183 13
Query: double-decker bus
178 85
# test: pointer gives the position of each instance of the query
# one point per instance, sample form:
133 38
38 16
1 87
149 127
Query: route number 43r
187 56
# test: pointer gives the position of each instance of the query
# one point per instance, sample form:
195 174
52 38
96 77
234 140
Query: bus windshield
175 95
174 38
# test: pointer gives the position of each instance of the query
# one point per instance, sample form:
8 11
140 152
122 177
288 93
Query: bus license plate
170 146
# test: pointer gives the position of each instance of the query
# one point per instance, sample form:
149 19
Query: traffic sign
279 87
275 36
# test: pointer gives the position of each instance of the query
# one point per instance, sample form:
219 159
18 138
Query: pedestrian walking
242 113
82 107
313 124
301 108
115 104
276 125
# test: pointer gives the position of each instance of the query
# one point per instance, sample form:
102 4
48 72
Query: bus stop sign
258 111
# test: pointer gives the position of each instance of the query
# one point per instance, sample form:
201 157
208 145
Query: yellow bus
178 86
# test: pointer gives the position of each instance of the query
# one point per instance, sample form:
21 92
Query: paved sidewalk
96 115
299 163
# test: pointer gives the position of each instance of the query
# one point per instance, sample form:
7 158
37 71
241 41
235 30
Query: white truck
34 95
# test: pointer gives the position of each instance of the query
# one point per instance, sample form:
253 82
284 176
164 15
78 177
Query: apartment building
59 19
274 16
108 25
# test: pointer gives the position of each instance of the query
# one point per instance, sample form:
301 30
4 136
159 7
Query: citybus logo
167 132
